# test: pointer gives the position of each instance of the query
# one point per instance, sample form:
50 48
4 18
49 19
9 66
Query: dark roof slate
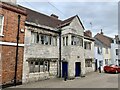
42 19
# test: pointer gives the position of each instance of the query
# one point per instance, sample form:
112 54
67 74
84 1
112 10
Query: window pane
46 40
36 69
46 66
41 66
42 39
50 39
1 20
66 40
37 38
31 67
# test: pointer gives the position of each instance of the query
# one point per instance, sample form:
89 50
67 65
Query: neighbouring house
89 51
9 13
98 53
115 50
105 48
49 40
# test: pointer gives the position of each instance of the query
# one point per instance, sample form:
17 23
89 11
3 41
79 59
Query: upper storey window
76 41
1 24
43 39
87 45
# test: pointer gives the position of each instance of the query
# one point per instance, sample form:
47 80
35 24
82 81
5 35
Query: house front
72 35
11 16
105 42
98 52
89 52
115 50
53 48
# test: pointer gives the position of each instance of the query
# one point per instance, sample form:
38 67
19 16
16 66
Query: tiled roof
67 21
42 19
45 20
104 39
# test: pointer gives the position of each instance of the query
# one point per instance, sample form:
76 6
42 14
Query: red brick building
8 43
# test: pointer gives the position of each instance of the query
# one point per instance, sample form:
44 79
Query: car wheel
105 71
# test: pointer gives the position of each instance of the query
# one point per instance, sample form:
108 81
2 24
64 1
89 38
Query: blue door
64 69
77 69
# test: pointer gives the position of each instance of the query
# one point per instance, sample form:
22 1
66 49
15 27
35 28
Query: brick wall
8 52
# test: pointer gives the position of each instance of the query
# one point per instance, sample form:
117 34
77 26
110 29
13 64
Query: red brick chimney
88 33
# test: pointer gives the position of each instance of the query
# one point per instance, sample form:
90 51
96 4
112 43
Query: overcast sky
103 15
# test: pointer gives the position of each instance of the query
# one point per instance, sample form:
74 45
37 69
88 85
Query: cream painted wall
106 56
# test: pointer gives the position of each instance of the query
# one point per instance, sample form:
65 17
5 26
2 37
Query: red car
112 69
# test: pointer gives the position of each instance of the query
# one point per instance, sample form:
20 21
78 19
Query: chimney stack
88 33
101 32
54 16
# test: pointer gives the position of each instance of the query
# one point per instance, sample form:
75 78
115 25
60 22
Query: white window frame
1 32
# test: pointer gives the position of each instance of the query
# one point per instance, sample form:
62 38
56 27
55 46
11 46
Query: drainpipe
16 59
59 53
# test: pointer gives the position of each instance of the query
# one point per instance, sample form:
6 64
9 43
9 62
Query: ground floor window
106 61
38 66
118 62
88 62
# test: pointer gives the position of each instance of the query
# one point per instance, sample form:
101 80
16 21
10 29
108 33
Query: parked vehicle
112 68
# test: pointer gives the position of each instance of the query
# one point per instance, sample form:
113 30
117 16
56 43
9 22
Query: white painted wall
99 57
114 57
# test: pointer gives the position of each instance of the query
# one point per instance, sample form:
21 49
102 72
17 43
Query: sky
101 13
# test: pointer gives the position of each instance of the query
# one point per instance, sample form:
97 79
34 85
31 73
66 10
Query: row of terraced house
34 46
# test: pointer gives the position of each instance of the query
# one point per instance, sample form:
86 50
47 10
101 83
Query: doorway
77 69
96 66
64 69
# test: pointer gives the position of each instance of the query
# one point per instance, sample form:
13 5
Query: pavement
91 80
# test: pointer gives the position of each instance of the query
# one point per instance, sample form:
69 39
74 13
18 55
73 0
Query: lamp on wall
22 30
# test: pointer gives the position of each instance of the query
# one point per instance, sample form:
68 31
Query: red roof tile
104 39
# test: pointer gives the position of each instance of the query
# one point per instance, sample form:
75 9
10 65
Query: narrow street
91 80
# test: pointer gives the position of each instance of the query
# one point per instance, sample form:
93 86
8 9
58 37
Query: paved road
92 80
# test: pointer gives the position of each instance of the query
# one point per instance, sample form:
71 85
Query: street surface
91 80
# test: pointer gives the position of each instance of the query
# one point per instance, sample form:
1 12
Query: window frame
117 52
88 62
39 67
2 24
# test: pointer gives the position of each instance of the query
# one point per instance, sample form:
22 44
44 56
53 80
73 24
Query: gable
76 26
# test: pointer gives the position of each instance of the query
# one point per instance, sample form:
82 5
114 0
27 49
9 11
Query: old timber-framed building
53 47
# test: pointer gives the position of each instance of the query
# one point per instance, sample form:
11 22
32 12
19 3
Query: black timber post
16 59
59 53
